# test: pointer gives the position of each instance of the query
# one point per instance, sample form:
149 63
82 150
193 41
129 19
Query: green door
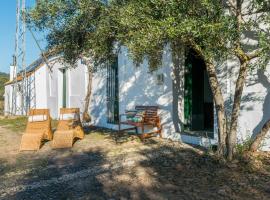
188 96
64 88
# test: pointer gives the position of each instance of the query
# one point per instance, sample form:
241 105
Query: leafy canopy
76 28
93 28
145 27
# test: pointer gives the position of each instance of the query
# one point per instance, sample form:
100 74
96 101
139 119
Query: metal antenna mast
19 94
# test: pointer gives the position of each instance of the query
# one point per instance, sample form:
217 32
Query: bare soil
106 166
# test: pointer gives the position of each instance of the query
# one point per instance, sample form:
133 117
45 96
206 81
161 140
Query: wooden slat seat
67 129
150 117
36 131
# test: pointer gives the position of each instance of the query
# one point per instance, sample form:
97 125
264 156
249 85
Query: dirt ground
104 166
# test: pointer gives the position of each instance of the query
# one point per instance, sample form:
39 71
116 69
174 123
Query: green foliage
15 124
75 28
243 146
145 27
3 79
254 28
93 28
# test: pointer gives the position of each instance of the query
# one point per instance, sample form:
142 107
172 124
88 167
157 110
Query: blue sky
7 35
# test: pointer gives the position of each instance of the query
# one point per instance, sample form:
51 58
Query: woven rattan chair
68 129
37 130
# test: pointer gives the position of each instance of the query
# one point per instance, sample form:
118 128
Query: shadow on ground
101 167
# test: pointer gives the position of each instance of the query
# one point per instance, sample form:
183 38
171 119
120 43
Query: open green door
198 98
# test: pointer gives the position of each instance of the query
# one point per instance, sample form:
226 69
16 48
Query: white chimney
12 72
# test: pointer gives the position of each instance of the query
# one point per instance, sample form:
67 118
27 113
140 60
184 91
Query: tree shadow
156 169
59 177
263 79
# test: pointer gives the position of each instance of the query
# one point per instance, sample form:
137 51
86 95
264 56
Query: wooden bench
149 118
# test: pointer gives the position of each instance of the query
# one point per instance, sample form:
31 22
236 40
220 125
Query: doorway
198 97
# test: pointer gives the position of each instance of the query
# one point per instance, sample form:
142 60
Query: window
112 93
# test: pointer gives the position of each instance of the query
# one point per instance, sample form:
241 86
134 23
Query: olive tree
78 29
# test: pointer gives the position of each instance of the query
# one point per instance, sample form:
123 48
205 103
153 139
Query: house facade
53 87
181 92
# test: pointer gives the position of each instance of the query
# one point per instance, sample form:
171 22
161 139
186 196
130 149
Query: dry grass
16 124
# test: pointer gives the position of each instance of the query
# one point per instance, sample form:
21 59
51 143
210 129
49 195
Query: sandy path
9 142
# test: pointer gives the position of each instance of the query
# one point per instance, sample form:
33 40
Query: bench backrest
151 112
69 110
39 125
39 112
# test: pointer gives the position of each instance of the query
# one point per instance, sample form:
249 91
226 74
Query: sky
7 35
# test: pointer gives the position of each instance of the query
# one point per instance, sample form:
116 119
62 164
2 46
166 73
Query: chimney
12 72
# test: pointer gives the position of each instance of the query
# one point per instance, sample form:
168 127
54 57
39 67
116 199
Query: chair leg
119 128
159 126
142 134
160 132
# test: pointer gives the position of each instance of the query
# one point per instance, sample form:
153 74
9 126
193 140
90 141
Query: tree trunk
219 105
86 116
256 142
232 135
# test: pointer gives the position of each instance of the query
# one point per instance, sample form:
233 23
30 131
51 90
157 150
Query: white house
182 94
54 86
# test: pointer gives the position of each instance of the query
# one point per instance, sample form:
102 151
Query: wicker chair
69 127
38 129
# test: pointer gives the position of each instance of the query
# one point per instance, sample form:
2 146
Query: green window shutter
112 92
64 88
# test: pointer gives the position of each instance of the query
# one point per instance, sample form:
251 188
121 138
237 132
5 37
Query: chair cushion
135 116
130 114
69 116
37 118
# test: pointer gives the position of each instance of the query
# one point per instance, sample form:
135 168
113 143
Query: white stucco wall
255 105
8 99
75 84
137 86
41 88
9 102
47 87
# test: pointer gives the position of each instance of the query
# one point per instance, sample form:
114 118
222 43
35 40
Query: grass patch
98 136
17 124
1 107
